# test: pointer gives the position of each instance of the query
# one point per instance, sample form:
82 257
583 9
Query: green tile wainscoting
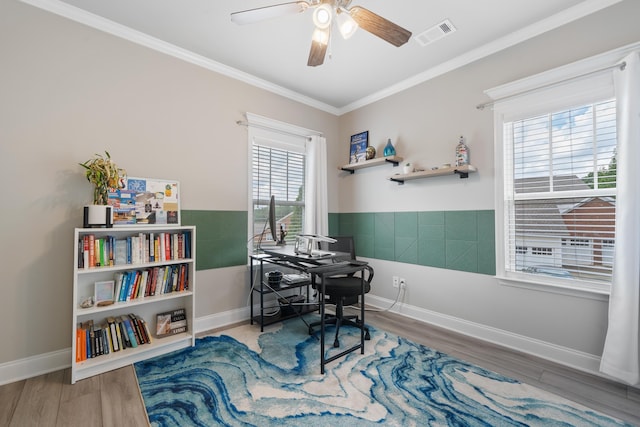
221 237
454 240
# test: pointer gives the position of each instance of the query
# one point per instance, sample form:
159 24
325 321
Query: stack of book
114 334
134 284
141 248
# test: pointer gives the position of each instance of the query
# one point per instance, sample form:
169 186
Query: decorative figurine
370 153
462 153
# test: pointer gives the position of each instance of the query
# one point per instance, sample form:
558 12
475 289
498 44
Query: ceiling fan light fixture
321 35
346 25
322 16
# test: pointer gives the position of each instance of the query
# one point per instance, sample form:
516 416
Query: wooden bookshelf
172 296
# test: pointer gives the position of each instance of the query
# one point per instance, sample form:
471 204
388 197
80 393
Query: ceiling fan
325 13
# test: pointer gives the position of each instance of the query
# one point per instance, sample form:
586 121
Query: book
174 246
106 339
85 251
115 344
130 332
136 329
118 334
180 246
167 246
86 345
187 244
79 338
181 279
140 328
92 339
97 336
152 250
161 240
173 286
126 343
112 250
101 251
135 282
120 252
146 330
92 250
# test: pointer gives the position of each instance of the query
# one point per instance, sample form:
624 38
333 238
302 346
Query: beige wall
425 123
68 91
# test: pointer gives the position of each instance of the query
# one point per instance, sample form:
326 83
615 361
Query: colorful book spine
130 333
92 251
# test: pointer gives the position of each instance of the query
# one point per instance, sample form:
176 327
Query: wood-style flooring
113 398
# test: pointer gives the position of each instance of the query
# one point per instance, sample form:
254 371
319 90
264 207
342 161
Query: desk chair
344 290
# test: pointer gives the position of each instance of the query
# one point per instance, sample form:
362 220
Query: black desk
318 268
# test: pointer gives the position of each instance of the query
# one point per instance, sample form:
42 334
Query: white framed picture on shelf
104 292
146 201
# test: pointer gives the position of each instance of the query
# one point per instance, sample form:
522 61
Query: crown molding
559 19
99 23
66 10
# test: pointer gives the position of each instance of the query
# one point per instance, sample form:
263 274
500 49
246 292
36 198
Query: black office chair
344 290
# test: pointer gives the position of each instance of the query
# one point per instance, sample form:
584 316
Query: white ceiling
273 53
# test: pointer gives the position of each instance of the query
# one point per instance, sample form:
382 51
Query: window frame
273 134
581 83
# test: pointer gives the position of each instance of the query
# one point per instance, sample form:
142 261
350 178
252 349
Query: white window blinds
559 193
279 172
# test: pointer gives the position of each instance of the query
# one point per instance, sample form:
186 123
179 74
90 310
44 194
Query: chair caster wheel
367 336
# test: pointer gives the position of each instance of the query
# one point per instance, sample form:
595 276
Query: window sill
582 290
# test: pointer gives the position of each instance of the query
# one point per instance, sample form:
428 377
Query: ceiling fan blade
261 13
319 43
379 26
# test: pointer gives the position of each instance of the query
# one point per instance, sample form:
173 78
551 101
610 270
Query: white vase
98 216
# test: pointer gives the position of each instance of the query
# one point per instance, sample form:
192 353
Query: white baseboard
35 365
220 320
566 356
41 364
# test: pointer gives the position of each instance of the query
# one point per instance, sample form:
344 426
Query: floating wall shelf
463 171
352 167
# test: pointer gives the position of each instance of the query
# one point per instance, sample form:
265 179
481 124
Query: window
556 148
278 172
277 167
541 251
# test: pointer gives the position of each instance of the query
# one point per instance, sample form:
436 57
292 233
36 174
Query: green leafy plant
103 173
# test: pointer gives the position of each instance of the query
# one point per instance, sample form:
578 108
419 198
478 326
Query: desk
317 268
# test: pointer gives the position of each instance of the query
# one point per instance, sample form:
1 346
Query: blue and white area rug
242 377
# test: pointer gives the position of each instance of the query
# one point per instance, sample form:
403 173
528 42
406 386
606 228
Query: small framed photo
163 324
358 147
104 292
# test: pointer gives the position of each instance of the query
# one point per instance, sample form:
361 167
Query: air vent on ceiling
435 33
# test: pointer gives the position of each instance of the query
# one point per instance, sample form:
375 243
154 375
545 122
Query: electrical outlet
403 283
396 281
